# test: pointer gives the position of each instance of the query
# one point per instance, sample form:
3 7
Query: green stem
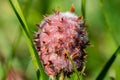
83 8
74 67
61 76
52 78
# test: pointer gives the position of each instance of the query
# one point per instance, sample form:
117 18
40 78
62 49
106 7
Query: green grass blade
34 54
108 65
83 8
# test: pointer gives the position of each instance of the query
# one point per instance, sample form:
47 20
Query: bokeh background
103 31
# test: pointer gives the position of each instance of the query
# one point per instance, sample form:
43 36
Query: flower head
60 33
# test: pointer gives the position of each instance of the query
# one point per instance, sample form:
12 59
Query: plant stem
73 65
52 78
83 7
61 76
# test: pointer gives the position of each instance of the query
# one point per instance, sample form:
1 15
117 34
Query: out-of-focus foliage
104 38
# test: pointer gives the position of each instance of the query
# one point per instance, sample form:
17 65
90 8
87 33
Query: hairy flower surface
59 34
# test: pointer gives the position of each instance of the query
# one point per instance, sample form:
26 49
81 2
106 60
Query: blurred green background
103 31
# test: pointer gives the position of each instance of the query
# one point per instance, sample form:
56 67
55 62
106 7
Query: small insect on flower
58 33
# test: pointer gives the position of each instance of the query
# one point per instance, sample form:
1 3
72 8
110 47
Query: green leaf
108 65
34 54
